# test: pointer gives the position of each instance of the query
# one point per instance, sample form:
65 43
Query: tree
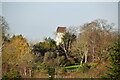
93 40
4 27
17 54
3 36
98 36
114 59
67 40
42 47
79 49
50 44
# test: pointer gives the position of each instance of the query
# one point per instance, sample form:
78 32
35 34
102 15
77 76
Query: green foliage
40 67
61 60
51 59
74 66
114 59
49 56
68 38
60 70
50 44
68 62
84 68
51 72
12 74
42 47
93 65
65 46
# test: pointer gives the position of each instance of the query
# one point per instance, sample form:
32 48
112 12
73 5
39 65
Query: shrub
68 63
83 68
61 60
12 74
41 67
60 70
51 72
93 65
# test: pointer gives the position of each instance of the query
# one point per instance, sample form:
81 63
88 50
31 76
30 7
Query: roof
61 29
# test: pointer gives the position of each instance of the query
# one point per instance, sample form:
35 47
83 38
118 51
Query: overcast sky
35 21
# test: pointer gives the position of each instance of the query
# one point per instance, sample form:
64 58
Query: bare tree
94 39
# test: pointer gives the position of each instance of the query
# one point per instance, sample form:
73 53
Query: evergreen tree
114 59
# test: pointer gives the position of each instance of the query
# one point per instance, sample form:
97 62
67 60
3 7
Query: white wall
59 38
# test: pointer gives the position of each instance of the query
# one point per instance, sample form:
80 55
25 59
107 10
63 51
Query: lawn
72 67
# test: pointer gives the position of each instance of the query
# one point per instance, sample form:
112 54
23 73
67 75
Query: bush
84 68
60 70
51 72
93 65
61 60
12 74
42 67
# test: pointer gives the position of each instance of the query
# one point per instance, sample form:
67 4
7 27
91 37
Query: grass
72 67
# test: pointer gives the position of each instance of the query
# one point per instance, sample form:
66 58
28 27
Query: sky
37 20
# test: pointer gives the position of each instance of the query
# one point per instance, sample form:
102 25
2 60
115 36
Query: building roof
61 29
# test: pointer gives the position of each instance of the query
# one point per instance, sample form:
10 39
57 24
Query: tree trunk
81 62
86 53
30 72
25 71
93 55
